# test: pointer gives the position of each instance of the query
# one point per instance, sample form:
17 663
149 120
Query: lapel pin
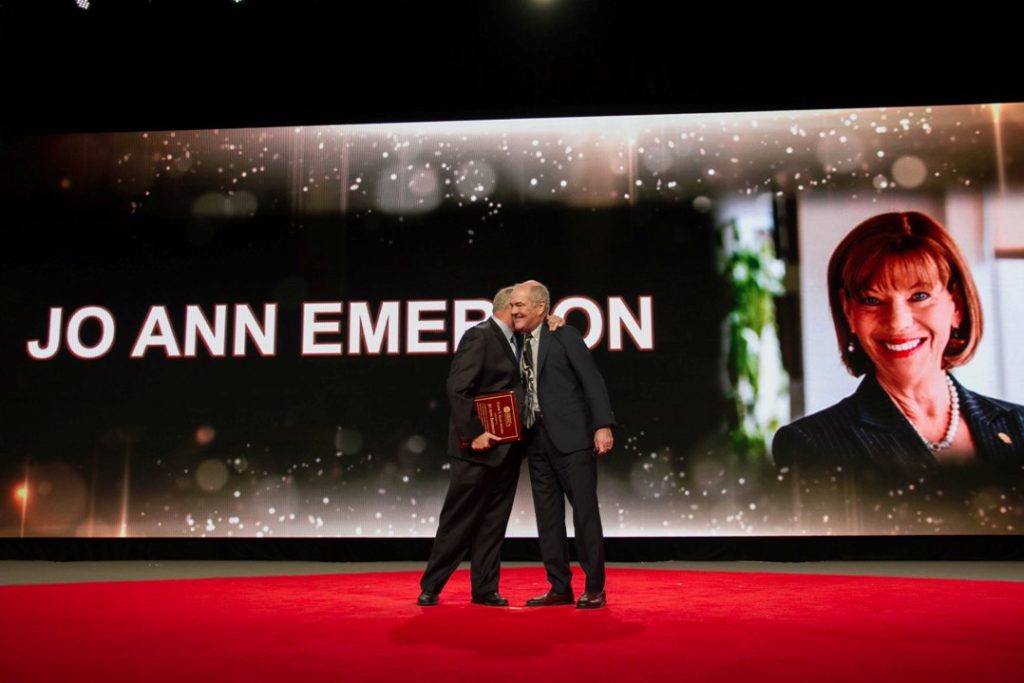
1004 437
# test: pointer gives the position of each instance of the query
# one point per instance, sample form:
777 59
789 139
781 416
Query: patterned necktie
529 383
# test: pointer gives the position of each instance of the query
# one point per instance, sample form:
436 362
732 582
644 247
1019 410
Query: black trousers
554 477
474 518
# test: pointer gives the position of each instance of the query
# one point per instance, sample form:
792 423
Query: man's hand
603 440
483 442
554 322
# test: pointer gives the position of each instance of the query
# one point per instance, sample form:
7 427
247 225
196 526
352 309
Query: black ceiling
170 64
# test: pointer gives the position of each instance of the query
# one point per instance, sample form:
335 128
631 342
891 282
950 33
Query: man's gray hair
539 294
501 299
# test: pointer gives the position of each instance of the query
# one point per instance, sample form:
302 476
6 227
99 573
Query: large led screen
246 332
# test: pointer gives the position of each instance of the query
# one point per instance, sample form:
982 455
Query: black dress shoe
591 601
550 599
427 599
490 600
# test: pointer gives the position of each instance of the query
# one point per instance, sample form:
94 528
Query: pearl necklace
954 421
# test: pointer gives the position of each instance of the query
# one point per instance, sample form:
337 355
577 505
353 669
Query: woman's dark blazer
867 432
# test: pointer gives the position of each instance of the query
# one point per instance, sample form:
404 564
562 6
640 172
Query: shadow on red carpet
660 625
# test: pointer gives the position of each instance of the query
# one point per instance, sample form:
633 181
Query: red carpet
661 625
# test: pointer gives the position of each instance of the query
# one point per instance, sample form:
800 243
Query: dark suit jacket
484 363
572 393
866 431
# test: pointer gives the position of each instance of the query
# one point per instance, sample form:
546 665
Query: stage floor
211 622
15 572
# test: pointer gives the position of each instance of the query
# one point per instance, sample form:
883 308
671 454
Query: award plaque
499 415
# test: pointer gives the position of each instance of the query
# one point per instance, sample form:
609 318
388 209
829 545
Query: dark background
162 64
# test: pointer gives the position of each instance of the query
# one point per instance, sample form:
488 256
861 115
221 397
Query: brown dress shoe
490 600
591 601
550 599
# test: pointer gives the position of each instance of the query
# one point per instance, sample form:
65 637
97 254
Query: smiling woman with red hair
906 311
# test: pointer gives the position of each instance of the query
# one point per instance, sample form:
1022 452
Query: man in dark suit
483 476
569 418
